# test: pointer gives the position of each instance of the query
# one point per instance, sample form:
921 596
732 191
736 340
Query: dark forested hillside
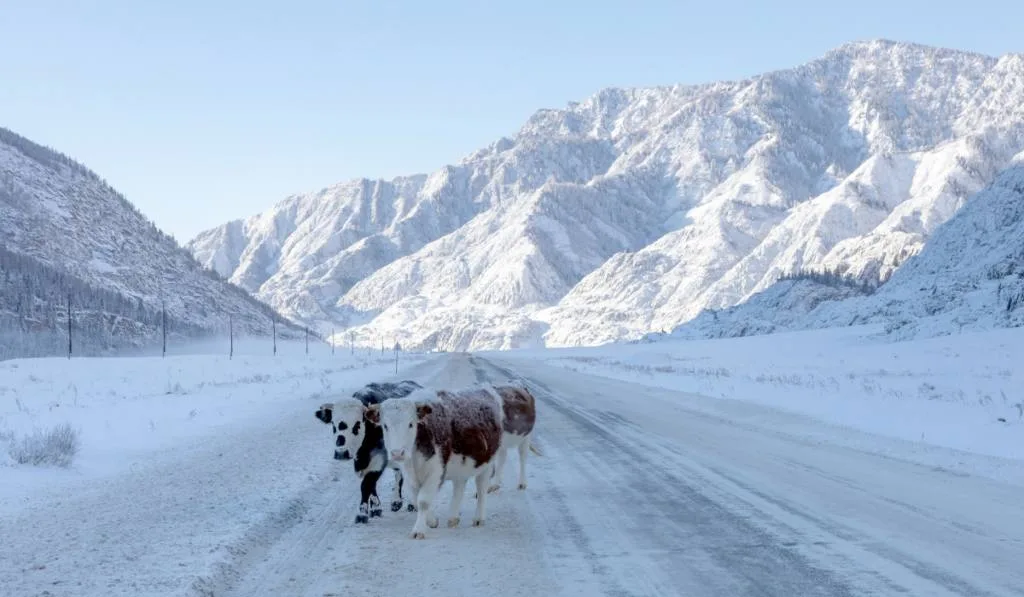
66 234
35 300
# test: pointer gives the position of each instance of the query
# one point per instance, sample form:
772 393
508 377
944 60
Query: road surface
636 495
639 492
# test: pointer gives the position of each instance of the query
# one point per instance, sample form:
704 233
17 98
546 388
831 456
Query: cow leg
375 507
412 489
366 487
396 491
363 515
458 490
425 496
499 469
481 496
524 448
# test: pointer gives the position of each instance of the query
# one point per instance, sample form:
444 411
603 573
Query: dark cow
441 435
361 440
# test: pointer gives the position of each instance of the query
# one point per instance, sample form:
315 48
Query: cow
519 414
441 435
362 441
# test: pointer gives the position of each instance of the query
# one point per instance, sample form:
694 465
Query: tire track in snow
324 504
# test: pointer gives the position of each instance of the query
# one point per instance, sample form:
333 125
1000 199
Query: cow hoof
478 522
362 519
522 486
411 507
454 522
432 523
376 512
493 488
396 506
419 535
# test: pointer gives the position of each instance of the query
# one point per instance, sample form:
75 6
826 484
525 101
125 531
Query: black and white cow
440 436
362 441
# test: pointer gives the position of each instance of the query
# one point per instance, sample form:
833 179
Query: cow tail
534 448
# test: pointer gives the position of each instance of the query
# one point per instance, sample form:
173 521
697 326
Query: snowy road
641 491
636 495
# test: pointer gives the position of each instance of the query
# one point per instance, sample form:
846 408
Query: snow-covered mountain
969 276
636 209
64 231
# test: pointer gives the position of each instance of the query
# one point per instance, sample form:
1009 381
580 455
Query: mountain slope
866 226
970 275
64 231
308 251
638 208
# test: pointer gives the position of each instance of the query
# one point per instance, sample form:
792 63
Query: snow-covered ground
125 410
776 465
962 391
163 434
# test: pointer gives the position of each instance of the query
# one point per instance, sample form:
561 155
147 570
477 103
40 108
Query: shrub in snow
56 446
6 437
175 388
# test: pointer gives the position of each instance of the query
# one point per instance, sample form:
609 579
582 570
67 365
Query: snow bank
962 392
127 408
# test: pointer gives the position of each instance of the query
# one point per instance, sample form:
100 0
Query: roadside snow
126 409
962 392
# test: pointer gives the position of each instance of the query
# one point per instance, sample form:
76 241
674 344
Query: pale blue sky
201 112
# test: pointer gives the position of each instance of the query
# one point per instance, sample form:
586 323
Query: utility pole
274 319
333 340
69 326
396 356
231 334
307 339
163 326
352 343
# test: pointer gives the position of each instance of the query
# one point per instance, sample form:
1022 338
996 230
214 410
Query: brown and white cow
519 415
441 435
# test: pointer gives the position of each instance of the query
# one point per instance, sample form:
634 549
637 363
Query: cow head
399 419
346 419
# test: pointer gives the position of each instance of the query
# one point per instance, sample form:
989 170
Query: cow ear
422 410
325 413
372 414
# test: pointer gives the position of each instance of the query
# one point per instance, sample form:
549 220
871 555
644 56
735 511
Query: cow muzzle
398 455
342 455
